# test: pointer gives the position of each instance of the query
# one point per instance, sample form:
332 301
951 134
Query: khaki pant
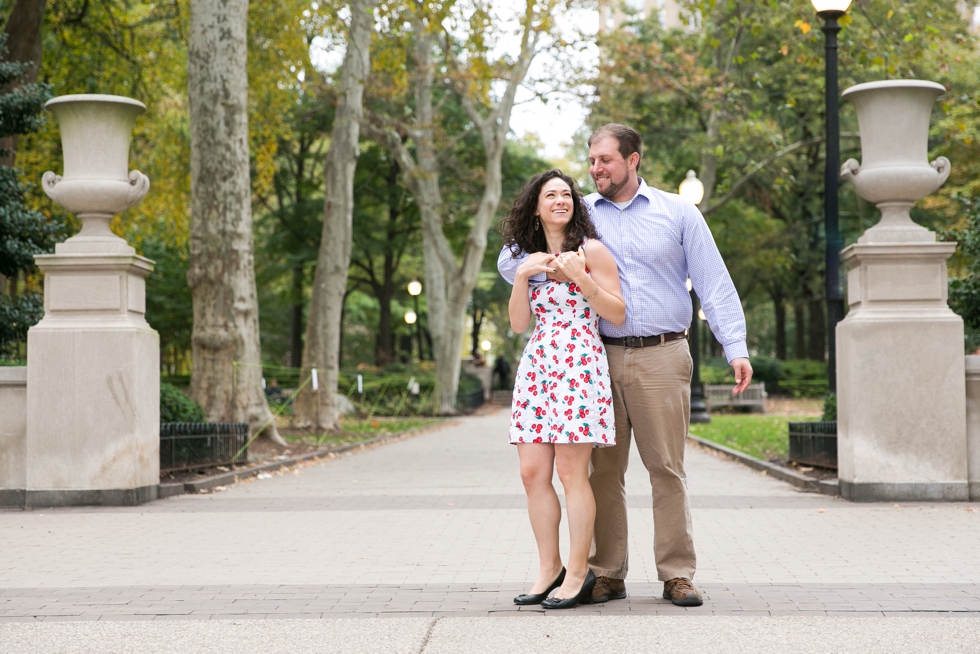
651 389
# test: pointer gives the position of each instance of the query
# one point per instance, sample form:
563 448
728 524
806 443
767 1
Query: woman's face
555 204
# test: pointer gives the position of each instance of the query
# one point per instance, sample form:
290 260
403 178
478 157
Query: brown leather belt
644 341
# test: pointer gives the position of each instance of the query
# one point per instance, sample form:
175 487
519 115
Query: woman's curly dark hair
518 227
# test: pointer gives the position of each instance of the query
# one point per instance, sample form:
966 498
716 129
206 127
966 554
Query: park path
434 526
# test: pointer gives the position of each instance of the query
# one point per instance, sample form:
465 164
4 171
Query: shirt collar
644 190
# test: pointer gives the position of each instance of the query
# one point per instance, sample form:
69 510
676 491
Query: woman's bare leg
543 508
572 462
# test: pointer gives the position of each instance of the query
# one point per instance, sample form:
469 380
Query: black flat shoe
537 598
584 596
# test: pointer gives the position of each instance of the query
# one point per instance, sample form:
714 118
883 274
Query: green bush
796 377
804 378
830 407
468 382
714 375
177 407
767 370
800 369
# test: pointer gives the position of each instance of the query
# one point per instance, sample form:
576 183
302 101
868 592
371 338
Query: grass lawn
378 425
761 436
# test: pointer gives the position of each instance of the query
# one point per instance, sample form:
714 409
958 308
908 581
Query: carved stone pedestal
93 385
901 394
93 373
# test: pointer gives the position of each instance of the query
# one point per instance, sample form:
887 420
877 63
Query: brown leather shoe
607 589
682 592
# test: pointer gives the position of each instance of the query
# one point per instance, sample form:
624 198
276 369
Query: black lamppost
831 11
692 189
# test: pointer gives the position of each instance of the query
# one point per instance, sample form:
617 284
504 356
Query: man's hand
539 262
743 375
558 275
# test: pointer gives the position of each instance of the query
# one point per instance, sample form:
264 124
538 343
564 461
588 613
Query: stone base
13 426
973 424
910 492
901 385
93 409
43 499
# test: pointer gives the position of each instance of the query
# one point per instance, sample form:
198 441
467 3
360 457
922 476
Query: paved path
431 531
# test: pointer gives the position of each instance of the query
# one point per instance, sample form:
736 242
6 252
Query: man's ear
634 161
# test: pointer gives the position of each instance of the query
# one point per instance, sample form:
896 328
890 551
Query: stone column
13 434
973 424
93 380
901 396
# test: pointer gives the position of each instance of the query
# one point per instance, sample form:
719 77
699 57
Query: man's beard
613 188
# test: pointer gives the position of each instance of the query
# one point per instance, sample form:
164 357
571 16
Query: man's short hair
628 139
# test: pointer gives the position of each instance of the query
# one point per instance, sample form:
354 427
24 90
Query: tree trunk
779 307
477 324
318 409
296 320
227 372
818 332
384 346
449 283
709 158
799 327
384 342
23 30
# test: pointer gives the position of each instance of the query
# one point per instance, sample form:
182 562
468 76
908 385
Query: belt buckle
633 341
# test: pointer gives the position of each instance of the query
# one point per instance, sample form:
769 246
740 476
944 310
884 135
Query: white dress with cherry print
562 392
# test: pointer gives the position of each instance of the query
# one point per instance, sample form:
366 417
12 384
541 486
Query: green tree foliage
23 232
175 406
964 288
288 222
168 301
740 99
139 50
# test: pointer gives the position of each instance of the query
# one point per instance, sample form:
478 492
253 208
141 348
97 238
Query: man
659 240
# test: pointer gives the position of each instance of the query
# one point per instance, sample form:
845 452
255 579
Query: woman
562 405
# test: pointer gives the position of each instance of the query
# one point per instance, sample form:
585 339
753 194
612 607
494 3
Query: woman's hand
539 262
572 265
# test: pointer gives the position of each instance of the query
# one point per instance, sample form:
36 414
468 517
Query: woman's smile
555 203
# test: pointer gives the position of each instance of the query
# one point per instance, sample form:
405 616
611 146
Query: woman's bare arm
519 306
601 284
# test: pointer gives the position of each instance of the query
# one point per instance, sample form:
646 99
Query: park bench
719 395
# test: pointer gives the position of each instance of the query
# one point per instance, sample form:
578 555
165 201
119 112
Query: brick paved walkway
435 526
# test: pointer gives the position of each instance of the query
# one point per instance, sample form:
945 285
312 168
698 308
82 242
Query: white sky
554 123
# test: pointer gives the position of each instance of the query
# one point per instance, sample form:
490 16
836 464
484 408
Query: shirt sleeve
508 263
714 285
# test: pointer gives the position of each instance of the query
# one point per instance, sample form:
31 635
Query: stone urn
93 374
895 171
96 131
901 384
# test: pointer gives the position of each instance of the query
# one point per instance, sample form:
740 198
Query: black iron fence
814 443
468 401
189 445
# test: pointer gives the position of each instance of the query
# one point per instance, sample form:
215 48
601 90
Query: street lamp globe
691 188
414 287
410 317
838 7
485 346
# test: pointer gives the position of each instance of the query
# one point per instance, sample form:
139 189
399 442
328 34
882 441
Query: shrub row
796 377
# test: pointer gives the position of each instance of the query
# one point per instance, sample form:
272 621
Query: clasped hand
563 268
